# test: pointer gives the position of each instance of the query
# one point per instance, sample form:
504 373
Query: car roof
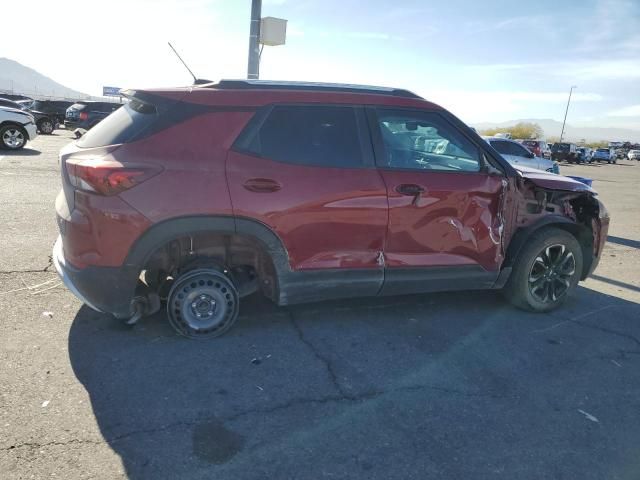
501 139
264 92
310 86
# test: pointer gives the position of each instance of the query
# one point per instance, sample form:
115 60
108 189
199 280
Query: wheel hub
204 306
551 273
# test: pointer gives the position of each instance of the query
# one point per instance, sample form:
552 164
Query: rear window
530 143
122 126
603 150
560 147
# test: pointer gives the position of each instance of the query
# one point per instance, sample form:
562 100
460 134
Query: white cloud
630 111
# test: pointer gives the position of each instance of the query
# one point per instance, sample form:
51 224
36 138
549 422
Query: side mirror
530 155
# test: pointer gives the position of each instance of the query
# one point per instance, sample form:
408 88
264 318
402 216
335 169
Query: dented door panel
457 221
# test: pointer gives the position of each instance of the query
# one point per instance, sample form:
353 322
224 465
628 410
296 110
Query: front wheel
202 303
546 271
12 137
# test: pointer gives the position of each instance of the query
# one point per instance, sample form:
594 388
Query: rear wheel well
244 258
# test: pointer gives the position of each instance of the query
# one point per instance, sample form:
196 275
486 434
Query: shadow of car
371 388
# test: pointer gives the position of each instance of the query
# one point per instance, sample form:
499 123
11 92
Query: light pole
253 67
566 111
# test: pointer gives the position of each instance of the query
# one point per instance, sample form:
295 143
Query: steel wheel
202 303
551 274
13 138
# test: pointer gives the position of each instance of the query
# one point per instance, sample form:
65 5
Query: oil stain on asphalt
214 443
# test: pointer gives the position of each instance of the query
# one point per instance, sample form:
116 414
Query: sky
490 60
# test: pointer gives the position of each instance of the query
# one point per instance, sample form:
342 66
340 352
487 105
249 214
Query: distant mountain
552 128
16 78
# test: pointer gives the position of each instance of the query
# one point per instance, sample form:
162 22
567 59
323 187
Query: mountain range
16 78
552 128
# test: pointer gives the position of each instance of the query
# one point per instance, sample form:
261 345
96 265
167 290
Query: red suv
199 196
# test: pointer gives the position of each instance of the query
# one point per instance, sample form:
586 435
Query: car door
307 172
445 203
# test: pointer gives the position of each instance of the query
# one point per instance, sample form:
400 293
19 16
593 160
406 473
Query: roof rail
242 84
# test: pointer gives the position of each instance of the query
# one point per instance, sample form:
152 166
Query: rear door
307 172
445 208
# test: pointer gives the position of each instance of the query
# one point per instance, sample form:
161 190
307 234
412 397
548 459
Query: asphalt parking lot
441 386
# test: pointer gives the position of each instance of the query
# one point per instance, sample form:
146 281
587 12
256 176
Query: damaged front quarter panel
543 199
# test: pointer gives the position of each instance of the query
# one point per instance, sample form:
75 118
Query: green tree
524 130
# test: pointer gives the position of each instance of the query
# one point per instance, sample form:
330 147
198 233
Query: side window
501 147
519 150
323 136
425 141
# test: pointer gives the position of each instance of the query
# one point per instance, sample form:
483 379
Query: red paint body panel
455 222
192 155
326 217
100 230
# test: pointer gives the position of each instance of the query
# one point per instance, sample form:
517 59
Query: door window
325 136
425 141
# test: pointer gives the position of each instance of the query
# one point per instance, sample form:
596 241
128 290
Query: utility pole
566 111
253 67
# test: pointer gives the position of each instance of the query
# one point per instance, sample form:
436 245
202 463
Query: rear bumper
104 289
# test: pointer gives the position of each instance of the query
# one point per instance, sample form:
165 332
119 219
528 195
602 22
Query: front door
307 172
445 220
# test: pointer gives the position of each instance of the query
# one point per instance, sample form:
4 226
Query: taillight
84 115
107 177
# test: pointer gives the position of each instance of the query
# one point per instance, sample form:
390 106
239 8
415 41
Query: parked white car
16 128
633 155
517 155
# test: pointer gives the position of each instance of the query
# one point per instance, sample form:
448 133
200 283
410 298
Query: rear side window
324 136
122 126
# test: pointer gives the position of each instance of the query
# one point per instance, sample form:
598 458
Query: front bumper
32 130
104 289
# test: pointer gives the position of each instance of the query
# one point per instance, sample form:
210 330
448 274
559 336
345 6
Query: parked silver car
517 155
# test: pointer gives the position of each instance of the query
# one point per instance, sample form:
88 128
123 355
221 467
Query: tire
202 303
13 137
46 126
546 271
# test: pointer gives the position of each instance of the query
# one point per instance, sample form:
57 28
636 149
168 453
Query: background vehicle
516 154
55 108
286 188
16 128
538 147
564 151
87 114
604 155
45 123
633 155
584 155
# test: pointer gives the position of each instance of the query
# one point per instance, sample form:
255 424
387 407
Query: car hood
552 181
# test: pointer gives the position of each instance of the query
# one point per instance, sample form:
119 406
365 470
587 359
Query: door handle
411 190
262 185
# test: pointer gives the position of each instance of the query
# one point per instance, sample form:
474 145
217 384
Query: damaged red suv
196 197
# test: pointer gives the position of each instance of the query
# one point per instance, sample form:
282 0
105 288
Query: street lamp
566 111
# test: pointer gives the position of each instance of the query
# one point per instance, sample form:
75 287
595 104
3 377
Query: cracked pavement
452 385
